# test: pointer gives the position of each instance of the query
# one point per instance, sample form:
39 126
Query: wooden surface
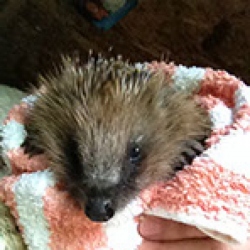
33 35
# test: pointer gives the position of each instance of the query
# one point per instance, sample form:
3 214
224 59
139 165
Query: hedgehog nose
99 209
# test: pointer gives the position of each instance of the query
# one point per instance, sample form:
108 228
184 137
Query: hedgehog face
110 131
102 171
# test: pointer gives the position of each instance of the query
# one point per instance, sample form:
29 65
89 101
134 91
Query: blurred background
35 33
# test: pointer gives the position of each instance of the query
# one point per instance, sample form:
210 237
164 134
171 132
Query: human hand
160 234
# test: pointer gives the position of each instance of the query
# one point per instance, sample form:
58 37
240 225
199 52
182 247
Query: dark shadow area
34 34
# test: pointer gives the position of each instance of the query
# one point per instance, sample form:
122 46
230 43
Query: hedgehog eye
135 154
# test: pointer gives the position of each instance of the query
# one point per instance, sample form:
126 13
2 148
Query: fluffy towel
212 194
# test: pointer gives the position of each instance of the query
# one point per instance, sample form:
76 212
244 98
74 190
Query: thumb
155 228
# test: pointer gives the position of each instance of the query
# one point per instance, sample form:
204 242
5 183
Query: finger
158 229
191 244
204 244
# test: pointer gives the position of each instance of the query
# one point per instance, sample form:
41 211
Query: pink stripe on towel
221 85
69 227
21 163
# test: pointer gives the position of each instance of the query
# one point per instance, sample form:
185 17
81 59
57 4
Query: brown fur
87 116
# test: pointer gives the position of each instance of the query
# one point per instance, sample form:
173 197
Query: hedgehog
110 129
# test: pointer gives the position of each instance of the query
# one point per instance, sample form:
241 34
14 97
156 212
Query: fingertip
155 229
149 227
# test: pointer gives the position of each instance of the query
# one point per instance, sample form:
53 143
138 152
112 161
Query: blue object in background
107 22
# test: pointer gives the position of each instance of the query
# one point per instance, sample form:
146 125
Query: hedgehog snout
99 209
